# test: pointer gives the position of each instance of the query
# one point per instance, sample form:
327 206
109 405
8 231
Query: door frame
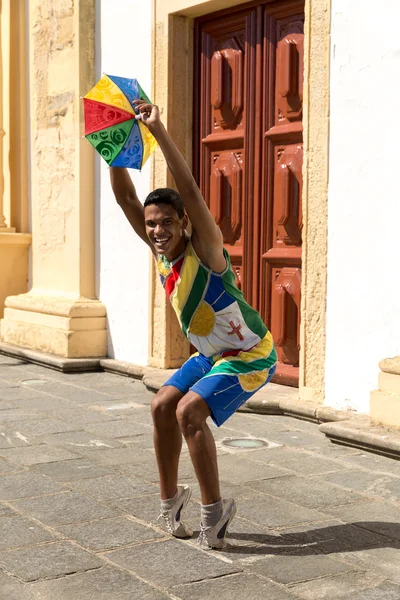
173 33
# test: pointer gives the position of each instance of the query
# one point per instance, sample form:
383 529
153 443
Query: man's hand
149 114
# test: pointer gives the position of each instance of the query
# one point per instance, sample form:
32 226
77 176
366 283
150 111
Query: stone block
6 466
24 484
144 508
373 463
329 537
229 490
74 440
255 425
49 561
240 587
385 407
242 470
12 589
120 428
74 393
149 472
113 487
194 565
263 511
5 510
108 534
290 569
297 462
33 455
46 340
390 365
41 427
71 470
388 382
306 492
382 518
77 416
107 583
16 413
375 485
383 561
296 439
16 531
120 456
332 588
64 508
382 591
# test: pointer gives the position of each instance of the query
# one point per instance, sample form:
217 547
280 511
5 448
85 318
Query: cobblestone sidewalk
79 503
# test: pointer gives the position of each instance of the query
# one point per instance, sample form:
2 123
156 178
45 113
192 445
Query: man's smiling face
165 230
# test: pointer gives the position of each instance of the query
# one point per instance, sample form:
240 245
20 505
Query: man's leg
167 438
216 514
192 413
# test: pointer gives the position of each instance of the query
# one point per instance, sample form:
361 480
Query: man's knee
163 405
191 414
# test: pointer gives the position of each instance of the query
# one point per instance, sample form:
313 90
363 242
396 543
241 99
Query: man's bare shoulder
212 256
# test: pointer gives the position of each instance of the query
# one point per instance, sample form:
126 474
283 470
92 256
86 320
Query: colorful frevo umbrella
110 124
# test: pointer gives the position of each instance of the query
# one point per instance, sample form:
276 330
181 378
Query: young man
236 354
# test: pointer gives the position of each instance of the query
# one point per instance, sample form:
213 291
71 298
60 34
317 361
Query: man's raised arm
206 235
126 196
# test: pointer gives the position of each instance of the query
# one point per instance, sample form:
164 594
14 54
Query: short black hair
166 196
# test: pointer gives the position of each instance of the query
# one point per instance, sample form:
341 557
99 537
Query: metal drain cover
245 443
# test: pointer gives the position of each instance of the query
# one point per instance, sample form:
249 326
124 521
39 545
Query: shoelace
203 538
165 515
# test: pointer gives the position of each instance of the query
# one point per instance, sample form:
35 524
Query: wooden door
219 118
248 155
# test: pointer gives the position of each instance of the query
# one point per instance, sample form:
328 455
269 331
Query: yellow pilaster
168 347
61 314
315 199
14 237
385 402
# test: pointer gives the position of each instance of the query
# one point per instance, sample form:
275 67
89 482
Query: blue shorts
226 391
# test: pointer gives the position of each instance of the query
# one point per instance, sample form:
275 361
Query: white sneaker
214 537
172 517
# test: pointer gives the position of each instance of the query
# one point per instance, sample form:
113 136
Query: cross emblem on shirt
236 330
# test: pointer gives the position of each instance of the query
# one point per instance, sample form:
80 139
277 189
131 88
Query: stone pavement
79 503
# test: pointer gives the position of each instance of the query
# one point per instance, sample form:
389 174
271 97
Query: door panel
219 124
248 155
281 213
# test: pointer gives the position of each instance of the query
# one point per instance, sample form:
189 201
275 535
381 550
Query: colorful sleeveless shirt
212 311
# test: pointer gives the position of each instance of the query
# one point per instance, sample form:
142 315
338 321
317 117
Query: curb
340 427
357 433
58 363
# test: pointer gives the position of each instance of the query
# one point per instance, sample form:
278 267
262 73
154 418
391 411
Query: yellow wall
315 199
14 218
61 314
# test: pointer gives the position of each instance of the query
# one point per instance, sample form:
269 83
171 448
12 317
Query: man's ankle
211 513
167 503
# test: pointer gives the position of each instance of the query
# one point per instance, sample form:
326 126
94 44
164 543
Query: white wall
363 316
123 49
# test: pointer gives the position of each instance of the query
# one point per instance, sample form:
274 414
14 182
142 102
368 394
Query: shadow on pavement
14 364
350 537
